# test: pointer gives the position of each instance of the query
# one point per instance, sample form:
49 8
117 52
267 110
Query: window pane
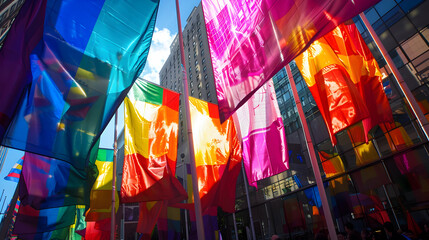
403 30
410 173
388 40
372 16
419 15
414 46
384 6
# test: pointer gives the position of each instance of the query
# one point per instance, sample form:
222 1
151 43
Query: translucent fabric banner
250 41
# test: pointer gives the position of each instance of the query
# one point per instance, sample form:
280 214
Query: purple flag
252 40
23 36
264 142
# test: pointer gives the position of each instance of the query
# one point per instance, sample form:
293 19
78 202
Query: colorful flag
379 212
78 229
217 155
294 215
365 151
396 136
211 227
15 172
345 81
151 124
168 224
51 183
265 150
332 163
250 41
30 221
73 232
101 192
79 73
148 216
10 234
99 230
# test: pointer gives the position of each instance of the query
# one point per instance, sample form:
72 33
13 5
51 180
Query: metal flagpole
1 211
2 195
115 150
246 184
197 200
123 222
424 124
313 159
235 225
185 210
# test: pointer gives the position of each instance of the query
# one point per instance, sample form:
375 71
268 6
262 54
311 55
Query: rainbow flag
15 172
101 192
72 62
151 125
72 232
148 216
250 41
52 183
168 224
33 224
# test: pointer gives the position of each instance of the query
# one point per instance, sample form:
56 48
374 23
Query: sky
165 31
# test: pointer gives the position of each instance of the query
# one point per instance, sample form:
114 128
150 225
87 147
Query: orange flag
345 81
217 155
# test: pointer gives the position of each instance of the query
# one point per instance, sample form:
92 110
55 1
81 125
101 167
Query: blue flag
89 55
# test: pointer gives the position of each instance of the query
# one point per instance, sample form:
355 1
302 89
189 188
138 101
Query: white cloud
158 54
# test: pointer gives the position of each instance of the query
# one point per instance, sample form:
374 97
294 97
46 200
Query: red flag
148 216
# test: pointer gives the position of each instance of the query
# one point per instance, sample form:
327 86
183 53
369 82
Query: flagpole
246 185
235 226
313 159
424 124
3 205
123 222
115 150
186 188
6 220
2 195
197 200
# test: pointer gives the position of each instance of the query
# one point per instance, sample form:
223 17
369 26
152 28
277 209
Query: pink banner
264 143
252 40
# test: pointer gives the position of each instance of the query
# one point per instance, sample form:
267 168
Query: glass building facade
367 184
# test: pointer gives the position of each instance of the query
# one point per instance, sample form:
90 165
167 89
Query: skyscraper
199 72
8 11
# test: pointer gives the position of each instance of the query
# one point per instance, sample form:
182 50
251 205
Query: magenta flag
252 40
264 142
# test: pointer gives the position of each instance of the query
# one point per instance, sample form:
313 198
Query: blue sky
166 30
